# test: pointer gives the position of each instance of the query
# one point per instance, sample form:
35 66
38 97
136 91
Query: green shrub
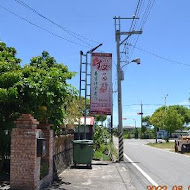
44 168
98 155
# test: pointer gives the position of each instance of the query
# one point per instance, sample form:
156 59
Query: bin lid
84 141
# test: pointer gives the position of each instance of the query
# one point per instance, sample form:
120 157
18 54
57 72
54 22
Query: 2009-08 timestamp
165 187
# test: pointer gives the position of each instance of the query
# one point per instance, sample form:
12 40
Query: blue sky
166 33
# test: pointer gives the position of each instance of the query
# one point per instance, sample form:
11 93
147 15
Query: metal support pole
85 114
111 122
135 124
80 85
85 80
120 126
111 127
141 114
165 113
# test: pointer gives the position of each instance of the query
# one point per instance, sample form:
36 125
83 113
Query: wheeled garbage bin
83 152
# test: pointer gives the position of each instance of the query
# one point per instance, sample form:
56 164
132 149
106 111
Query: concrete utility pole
119 79
165 110
111 125
141 114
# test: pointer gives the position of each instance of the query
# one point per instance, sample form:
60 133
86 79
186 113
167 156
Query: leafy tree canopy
170 118
183 111
44 90
145 120
100 118
173 120
10 74
39 88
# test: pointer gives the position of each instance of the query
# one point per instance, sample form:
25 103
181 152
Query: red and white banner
101 84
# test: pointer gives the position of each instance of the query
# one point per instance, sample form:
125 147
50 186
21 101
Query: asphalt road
163 167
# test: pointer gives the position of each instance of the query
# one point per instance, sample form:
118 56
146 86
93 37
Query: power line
160 57
44 29
135 14
147 13
133 24
145 16
145 104
156 105
73 34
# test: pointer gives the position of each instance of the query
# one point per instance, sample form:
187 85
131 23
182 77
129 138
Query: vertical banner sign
101 84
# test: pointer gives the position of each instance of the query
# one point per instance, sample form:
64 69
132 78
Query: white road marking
176 153
141 171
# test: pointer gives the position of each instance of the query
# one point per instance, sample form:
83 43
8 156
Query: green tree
157 118
10 74
74 109
145 124
145 120
44 91
39 88
100 118
173 120
183 111
167 118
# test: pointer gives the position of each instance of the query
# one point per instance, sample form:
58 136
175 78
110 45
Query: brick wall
25 165
48 158
63 152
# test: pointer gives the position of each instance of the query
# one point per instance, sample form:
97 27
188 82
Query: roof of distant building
89 121
129 127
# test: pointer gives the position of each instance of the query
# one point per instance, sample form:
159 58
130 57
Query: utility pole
141 114
119 79
111 124
165 100
120 126
165 111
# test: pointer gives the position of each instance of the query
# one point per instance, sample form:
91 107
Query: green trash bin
82 152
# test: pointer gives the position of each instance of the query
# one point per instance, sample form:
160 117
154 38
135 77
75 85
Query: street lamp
137 61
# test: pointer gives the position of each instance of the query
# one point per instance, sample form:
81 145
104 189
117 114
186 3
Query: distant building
128 128
89 130
149 126
162 134
180 133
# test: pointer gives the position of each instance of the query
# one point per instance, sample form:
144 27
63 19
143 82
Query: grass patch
98 155
106 152
102 153
113 150
164 145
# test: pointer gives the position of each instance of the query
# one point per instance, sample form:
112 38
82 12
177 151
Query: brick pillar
25 165
48 158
